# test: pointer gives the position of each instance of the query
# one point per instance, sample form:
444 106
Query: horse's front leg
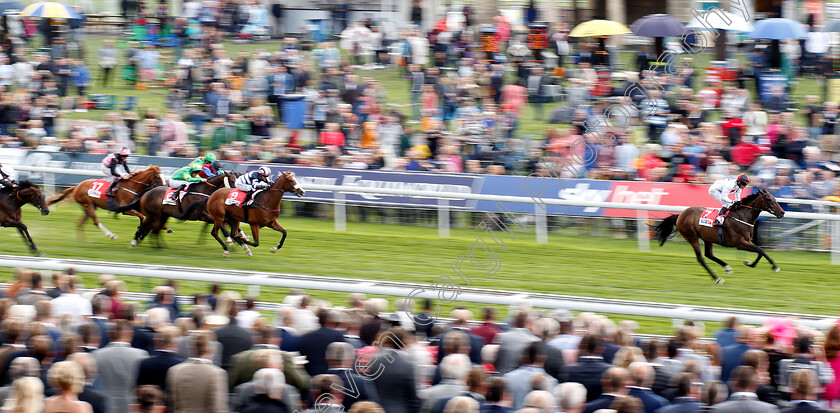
24 232
749 246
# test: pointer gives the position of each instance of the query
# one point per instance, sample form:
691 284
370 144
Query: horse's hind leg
710 255
91 212
754 263
696 245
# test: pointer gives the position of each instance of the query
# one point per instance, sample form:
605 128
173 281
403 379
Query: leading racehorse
12 199
263 212
137 183
737 230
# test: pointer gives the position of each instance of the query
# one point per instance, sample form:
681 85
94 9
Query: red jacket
745 153
487 331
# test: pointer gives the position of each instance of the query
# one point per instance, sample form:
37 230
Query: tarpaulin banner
585 190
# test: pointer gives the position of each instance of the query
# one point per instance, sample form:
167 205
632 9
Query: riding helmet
743 179
264 171
210 157
124 152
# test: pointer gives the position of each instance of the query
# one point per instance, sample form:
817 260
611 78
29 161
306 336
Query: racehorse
737 230
137 183
151 205
12 199
263 212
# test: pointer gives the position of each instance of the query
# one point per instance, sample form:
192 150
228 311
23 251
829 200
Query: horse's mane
751 197
25 184
153 168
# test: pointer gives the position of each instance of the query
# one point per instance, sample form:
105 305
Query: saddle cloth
167 197
708 217
98 188
236 197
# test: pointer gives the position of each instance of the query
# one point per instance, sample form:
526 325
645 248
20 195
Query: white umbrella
721 20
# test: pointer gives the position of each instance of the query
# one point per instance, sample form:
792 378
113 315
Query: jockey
253 181
182 178
6 180
720 191
109 168
209 165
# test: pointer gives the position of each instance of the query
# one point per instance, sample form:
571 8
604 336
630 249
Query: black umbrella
658 26
10 5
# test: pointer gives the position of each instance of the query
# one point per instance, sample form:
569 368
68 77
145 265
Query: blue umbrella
658 25
778 29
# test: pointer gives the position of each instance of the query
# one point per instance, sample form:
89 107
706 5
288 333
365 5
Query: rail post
443 218
340 215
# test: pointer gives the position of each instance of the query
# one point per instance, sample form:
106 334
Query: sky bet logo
581 192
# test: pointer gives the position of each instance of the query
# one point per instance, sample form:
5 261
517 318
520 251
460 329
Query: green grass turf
576 265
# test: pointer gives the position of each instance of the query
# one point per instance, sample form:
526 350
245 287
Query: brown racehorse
151 205
136 184
737 230
263 212
12 199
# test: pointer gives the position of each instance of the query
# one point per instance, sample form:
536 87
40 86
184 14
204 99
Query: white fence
415 291
541 229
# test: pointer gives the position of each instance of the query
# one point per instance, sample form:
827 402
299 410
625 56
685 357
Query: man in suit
743 397
688 389
459 323
234 339
196 385
512 343
535 85
614 383
497 81
727 336
246 363
340 357
153 369
280 83
314 344
520 380
269 386
325 394
590 367
454 370
643 376
488 329
118 364
803 396
498 397
268 359
97 400
732 353
394 377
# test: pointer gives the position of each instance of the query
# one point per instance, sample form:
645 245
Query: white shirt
246 318
7 75
722 190
72 304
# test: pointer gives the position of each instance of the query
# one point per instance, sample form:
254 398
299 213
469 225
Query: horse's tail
193 206
134 204
665 228
58 198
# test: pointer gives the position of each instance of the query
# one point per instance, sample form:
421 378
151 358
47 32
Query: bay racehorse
263 212
137 183
11 201
156 213
738 230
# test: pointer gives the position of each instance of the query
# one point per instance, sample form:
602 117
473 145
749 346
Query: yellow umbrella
49 10
595 28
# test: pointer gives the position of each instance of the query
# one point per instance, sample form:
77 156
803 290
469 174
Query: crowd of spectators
70 350
466 113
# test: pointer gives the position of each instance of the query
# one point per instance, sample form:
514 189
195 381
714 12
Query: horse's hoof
273 249
720 281
776 269
747 263
728 269
40 254
226 254
170 231
249 253
114 236
228 241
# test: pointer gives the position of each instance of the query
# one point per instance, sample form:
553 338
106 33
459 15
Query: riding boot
721 216
176 196
112 188
247 199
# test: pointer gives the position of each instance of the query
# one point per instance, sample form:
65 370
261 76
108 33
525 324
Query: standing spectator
247 317
340 358
196 385
454 370
521 379
68 377
70 302
269 385
314 344
743 397
832 354
643 376
396 385
803 393
416 13
488 329
513 342
804 358
590 367
277 12
107 60
153 370
732 353
535 84
234 339
97 400
27 396
118 365
614 385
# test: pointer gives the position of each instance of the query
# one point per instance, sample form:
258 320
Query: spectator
153 370
743 396
314 344
118 364
196 385
233 338
27 396
97 399
68 377
590 367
